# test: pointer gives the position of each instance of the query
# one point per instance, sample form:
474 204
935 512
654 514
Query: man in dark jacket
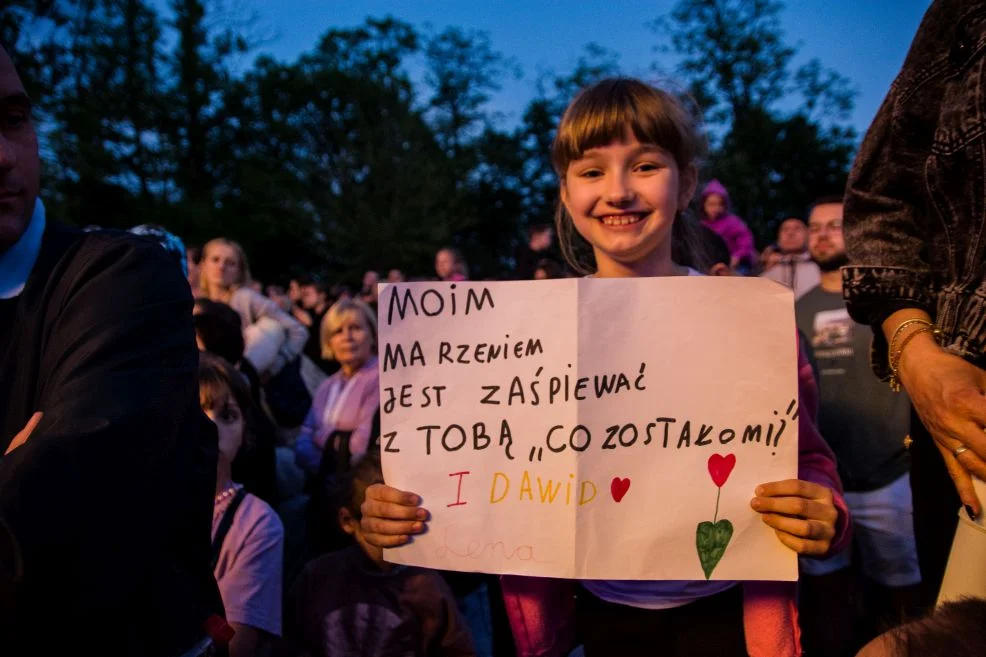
108 465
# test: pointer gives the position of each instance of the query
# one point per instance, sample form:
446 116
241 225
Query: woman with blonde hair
341 417
273 338
342 421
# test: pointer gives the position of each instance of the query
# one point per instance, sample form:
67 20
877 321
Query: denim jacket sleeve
914 216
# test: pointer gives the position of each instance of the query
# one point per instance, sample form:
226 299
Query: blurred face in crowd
20 163
228 417
311 298
825 237
222 266
294 291
714 206
542 240
277 294
792 236
395 276
351 341
193 268
370 280
445 264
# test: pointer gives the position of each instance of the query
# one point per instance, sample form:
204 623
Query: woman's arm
743 247
296 335
947 393
307 454
362 434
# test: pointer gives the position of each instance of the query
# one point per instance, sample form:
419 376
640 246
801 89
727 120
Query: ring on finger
959 450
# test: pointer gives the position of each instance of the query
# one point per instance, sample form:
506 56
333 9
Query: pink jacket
542 611
730 228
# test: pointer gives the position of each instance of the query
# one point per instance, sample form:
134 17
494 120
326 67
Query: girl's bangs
605 113
214 389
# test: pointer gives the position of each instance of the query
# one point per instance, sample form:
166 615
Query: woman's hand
947 393
391 516
802 514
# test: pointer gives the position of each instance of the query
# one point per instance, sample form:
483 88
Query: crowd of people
108 538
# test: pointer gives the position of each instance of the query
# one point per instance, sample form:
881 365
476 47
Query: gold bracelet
896 356
901 327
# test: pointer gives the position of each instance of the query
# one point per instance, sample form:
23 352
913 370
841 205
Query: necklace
227 493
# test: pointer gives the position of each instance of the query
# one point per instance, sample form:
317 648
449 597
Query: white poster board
591 428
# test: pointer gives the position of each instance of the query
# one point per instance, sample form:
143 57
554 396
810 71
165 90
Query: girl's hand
391 516
802 514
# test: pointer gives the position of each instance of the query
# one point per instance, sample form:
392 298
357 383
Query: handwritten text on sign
591 428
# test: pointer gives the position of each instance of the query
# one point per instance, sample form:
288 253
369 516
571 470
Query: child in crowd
716 216
450 265
352 602
218 331
247 536
625 154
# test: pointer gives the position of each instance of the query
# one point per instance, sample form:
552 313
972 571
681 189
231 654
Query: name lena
466 548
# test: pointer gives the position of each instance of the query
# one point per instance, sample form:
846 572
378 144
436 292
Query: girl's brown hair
601 114
245 278
218 381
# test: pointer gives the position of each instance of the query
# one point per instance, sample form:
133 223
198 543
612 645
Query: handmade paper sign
591 428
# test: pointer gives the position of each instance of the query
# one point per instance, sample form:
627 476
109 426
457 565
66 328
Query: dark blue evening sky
865 41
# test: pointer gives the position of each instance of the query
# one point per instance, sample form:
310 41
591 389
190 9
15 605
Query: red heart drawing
619 488
720 467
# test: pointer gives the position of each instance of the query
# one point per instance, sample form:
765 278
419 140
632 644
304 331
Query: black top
110 500
343 604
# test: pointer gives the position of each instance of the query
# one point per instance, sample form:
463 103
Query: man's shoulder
92 245
73 255
329 569
816 298
773 273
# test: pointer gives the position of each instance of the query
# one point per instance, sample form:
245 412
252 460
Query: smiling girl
625 155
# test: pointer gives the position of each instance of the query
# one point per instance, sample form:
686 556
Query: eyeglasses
818 229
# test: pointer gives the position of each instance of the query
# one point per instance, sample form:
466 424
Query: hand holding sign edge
391 516
802 514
